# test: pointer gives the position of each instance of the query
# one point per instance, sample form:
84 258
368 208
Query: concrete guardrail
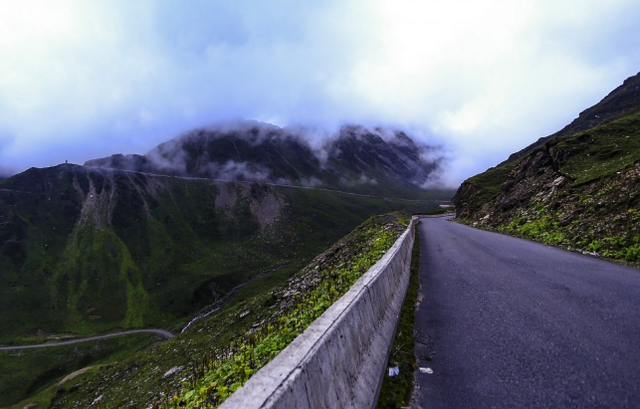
339 361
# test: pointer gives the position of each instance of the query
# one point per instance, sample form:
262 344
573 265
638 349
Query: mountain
215 219
579 188
621 100
88 249
356 159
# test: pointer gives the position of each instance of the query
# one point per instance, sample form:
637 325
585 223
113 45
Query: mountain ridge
621 100
87 250
356 159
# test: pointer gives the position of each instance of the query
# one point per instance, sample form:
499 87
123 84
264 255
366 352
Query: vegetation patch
493 178
582 223
601 151
482 188
537 223
152 374
227 370
396 390
579 192
153 377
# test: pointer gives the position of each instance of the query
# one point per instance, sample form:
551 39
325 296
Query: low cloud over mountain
356 158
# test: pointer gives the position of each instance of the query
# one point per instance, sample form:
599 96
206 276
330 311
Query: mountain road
507 323
163 333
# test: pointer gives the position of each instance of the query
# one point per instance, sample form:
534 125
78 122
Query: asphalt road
164 333
507 323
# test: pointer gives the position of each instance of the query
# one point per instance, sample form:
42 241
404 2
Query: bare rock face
528 177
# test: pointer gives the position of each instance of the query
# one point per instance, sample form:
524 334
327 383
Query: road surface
165 334
507 323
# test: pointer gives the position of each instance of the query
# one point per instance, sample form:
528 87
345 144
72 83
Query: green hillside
581 192
178 238
618 102
267 313
89 250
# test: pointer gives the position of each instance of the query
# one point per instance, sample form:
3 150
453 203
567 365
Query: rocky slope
578 190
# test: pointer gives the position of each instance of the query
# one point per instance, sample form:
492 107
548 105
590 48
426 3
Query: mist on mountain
353 157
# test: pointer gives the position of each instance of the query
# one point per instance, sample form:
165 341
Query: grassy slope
619 102
149 271
132 373
140 380
601 151
486 186
590 155
152 250
326 280
29 372
596 210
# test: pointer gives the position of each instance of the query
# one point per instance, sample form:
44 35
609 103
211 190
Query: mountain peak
356 159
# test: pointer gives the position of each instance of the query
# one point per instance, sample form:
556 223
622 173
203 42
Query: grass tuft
395 391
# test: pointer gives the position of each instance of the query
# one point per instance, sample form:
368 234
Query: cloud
232 170
484 78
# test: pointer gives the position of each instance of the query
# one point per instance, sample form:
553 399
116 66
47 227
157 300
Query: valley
216 236
242 205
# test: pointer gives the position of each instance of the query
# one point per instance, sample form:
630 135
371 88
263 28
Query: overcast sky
484 78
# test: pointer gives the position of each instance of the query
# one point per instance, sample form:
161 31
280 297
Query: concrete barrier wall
340 359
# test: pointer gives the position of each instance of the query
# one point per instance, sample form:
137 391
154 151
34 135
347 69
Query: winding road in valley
507 323
164 333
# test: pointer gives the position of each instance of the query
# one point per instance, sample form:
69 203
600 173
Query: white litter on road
426 370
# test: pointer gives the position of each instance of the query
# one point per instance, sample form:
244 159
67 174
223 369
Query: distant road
272 184
165 334
507 323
